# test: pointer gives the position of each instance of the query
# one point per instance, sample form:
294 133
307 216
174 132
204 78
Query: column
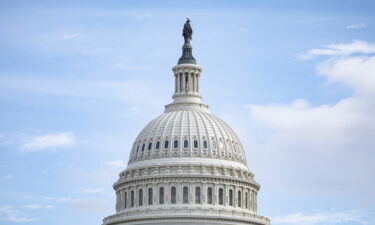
183 83
197 82
122 197
178 83
193 81
252 201
191 86
117 201
203 190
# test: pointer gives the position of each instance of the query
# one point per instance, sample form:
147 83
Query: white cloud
92 205
116 163
356 26
18 219
38 206
5 140
49 141
321 147
360 47
320 218
70 36
136 92
86 204
357 72
59 199
11 214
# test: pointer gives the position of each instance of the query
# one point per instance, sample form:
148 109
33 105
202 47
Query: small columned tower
187 73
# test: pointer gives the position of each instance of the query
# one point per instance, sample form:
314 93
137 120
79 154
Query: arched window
143 147
185 197
195 144
150 196
175 144
186 144
246 201
209 195
140 197
166 144
149 146
239 198
221 196
231 197
173 195
205 145
161 195
126 200
157 145
197 195
132 199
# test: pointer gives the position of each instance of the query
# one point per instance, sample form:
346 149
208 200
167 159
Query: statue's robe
187 32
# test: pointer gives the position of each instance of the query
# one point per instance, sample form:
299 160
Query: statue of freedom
187 32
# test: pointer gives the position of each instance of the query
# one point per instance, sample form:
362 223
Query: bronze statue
187 54
187 32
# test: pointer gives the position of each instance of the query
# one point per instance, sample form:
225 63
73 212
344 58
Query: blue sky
295 79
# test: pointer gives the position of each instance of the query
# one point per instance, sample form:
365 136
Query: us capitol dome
187 166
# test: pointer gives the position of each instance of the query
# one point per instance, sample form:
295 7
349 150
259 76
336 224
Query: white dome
187 133
186 166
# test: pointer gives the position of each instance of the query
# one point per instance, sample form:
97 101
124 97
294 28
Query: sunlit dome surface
187 133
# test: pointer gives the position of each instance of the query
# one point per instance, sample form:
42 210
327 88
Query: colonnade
197 193
187 83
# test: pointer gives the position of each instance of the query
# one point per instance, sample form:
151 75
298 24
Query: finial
187 56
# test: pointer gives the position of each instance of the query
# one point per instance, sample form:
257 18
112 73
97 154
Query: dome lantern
187 73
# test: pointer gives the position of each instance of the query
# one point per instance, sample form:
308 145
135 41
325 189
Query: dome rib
198 131
190 125
207 134
215 137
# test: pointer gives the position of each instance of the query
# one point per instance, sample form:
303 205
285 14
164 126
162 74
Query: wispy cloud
137 92
11 214
84 204
38 206
141 16
132 67
345 49
8 177
49 141
70 36
59 199
116 163
356 26
320 218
